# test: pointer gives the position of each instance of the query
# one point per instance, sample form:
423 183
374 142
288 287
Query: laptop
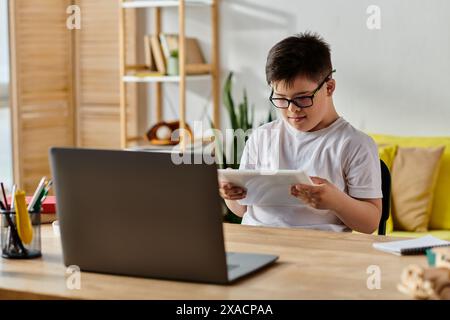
140 214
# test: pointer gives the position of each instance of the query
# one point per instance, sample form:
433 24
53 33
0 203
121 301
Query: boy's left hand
323 195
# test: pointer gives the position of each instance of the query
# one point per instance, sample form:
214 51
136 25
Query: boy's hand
229 191
323 195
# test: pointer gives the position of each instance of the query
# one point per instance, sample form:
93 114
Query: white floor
5 147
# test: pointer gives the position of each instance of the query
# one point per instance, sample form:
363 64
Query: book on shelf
158 49
158 54
149 58
144 73
169 43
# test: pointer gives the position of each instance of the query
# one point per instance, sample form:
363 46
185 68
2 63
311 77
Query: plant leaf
235 164
218 148
245 103
228 100
269 118
241 119
252 117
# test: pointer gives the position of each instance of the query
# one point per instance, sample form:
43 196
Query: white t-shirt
343 155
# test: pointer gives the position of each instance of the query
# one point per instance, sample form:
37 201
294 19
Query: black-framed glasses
300 102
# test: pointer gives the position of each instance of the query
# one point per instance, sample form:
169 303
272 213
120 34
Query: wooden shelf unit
140 79
214 75
163 3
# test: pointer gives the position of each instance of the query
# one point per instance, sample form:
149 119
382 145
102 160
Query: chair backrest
386 189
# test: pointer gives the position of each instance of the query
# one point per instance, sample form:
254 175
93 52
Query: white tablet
266 187
277 177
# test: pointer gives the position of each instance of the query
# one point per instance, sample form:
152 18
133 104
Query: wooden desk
312 265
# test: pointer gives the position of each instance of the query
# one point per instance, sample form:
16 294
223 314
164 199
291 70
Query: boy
312 137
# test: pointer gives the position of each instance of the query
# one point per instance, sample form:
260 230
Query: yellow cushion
440 214
414 176
387 154
441 234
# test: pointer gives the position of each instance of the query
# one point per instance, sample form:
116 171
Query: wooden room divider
64 83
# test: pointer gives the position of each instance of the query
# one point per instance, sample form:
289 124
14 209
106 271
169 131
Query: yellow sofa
439 224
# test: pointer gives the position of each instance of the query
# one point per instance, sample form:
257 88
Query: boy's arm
231 193
362 215
236 208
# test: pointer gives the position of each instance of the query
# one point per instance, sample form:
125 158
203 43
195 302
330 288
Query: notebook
48 206
410 247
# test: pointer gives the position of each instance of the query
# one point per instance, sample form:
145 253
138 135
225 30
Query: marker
47 190
23 222
42 197
37 194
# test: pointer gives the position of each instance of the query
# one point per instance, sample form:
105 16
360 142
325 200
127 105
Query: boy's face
314 117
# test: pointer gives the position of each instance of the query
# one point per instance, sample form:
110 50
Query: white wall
394 80
5 129
4 66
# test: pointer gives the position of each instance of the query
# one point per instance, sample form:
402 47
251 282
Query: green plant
174 53
242 118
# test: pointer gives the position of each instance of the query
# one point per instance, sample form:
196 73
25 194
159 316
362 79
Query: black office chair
386 189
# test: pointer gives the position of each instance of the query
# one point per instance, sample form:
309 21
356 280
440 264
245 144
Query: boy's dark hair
305 54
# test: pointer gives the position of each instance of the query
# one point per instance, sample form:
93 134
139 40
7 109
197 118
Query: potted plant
173 63
242 117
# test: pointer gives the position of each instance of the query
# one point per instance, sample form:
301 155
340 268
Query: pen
4 196
15 235
37 194
13 195
49 185
39 203
5 207
42 197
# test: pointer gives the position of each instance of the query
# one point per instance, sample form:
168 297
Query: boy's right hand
229 191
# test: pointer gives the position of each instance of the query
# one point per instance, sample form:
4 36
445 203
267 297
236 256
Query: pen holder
12 245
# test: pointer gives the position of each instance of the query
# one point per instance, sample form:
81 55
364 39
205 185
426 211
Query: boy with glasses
342 161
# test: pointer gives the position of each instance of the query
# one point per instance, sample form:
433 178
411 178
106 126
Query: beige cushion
414 175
